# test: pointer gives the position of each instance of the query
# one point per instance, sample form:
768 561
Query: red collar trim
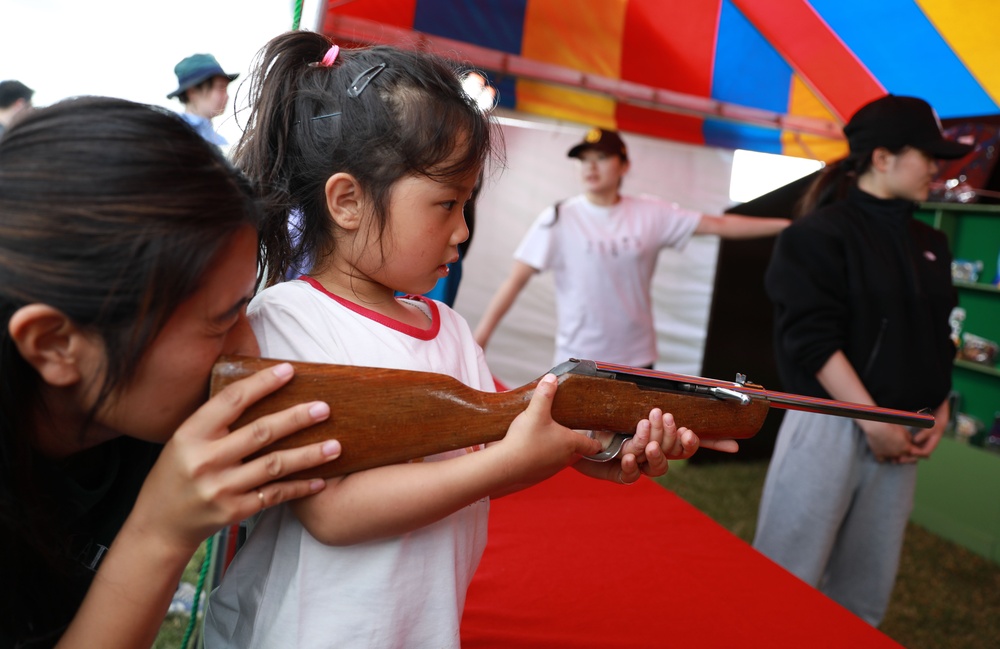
420 334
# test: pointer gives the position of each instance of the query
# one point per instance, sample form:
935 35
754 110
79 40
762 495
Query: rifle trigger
730 395
613 449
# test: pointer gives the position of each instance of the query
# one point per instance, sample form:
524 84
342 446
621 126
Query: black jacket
863 276
93 493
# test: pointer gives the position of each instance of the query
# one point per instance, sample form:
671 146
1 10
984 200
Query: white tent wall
538 174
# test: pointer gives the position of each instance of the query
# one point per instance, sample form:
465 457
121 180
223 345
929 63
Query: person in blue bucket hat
203 88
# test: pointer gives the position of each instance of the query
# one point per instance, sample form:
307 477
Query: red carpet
579 563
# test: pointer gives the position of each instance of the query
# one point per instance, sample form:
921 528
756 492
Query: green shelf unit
974 233
958 497
958 489
973 230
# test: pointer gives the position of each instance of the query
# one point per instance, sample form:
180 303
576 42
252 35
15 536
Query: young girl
862 294
377 151
127 256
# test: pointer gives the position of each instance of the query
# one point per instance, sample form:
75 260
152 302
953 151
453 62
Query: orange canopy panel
778 76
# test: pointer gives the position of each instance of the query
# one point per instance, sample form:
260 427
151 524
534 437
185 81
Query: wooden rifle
386 416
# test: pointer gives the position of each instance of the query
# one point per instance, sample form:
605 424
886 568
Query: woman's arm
926 440
502 300
888 442
731 226
199 484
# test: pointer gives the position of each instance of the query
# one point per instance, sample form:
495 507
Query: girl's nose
461 232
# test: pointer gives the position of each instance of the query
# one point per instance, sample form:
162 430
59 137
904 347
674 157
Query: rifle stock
386 416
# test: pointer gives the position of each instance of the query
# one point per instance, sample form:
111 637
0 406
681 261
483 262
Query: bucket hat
195 69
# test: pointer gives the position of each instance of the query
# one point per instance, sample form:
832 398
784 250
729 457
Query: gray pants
832 515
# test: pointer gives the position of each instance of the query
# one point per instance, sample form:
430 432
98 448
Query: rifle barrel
684 383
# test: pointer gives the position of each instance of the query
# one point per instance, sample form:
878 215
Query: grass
946 597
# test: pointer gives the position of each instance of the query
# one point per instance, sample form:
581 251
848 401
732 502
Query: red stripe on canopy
398 13
670 45
816 53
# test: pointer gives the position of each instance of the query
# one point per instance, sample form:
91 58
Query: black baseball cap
600 139
895 121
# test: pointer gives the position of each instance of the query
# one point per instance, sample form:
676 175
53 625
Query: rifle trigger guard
612 451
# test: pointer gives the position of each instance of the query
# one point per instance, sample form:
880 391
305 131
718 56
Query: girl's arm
502 300
391 500
198 485
731 226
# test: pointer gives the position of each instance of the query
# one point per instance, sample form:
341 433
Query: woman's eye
222 331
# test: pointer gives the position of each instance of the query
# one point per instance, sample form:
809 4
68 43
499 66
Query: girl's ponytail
267 151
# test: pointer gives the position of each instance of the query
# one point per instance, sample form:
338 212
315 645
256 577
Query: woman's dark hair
833 182
110 212
377 113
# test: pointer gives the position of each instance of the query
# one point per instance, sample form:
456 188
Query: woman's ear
344 200
881 158
50 342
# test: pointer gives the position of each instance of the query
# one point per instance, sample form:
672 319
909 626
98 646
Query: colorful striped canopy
779 76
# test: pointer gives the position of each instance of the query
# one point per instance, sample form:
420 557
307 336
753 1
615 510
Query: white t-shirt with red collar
285 588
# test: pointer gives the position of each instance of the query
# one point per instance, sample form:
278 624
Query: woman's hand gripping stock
201 481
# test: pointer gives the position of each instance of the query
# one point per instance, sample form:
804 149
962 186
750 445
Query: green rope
197 592
297 15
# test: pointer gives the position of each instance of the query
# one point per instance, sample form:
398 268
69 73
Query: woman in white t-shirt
602 247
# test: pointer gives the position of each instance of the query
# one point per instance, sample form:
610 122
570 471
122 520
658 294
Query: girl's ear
344 200
50 342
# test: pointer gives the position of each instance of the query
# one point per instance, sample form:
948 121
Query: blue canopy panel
884 42
749 72
494 25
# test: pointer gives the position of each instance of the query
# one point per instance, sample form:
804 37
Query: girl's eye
449 205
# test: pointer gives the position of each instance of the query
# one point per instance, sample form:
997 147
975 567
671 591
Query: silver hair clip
362 80
313 119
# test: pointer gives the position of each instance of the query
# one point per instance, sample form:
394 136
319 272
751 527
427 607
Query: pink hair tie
330 56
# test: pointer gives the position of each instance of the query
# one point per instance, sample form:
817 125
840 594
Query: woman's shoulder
833 218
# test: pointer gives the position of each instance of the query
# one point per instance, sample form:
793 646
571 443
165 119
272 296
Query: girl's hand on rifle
647 452
656 440
537 446
674 443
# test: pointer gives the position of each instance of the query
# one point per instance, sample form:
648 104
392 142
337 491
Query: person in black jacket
862 293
